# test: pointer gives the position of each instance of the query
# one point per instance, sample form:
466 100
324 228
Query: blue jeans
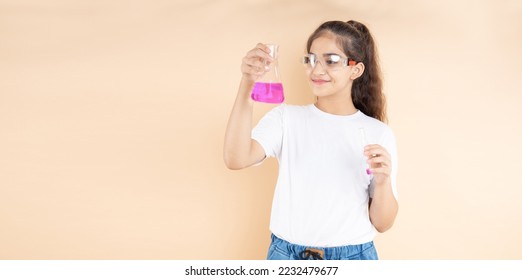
282 250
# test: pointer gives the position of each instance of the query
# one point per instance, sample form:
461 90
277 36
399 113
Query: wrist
245 88
382 182
248 81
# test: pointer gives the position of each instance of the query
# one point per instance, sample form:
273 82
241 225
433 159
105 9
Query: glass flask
269 88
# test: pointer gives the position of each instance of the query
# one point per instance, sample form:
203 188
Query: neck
336 106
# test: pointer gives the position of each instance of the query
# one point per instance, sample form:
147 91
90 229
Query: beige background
112 117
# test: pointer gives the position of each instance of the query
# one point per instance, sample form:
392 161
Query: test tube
364 141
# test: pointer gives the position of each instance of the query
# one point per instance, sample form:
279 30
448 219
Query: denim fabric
282 250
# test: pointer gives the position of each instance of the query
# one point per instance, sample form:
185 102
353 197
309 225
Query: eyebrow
327 54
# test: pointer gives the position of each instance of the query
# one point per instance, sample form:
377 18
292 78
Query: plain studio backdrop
113 114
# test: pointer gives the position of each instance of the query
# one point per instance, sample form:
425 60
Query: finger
263 47
257 72
381 170
375 150
379 161
253 67
255 63
260 53
376 153
252 72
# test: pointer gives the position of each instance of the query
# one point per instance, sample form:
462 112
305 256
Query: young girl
337 158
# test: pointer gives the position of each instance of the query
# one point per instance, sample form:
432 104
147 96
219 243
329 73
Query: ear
357 71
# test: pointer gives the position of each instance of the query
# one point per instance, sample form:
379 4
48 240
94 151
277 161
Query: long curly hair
357 43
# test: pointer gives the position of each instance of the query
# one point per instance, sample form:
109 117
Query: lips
319 82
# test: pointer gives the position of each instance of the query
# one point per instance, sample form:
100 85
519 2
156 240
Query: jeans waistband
314 252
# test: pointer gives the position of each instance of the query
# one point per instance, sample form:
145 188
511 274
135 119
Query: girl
334 191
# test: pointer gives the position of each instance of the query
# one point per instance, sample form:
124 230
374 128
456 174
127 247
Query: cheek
342 78
308 72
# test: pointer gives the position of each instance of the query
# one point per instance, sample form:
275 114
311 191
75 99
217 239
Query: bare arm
383 206
240 150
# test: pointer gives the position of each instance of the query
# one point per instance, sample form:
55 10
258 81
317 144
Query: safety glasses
330 61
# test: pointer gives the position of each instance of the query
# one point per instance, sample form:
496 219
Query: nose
318 70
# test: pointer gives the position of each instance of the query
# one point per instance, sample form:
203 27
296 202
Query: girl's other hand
380 162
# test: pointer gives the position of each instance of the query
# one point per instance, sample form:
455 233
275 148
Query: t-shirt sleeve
389 143
269 131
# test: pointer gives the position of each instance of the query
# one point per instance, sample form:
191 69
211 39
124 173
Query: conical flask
269 88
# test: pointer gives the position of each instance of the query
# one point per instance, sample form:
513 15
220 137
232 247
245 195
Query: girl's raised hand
255 63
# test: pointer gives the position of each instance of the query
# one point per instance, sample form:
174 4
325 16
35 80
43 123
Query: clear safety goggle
330 61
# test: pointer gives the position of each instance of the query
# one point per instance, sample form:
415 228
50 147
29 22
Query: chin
321 93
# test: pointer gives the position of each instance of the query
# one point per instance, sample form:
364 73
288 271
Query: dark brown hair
355 40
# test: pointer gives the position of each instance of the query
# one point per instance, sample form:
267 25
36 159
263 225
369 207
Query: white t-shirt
322 192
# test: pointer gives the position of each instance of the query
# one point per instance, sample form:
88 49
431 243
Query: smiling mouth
319 82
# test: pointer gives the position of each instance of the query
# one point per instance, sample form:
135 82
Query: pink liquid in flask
268 92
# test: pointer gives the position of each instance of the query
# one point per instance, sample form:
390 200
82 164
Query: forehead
326 43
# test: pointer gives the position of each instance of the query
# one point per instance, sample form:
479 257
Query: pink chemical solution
268 92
